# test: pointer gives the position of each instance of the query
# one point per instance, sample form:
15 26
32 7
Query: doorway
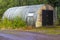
47 17
30 21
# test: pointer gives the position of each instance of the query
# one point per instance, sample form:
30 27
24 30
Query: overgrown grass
46 30
18 24
13 24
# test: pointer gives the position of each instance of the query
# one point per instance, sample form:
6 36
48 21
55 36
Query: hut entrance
47 17
30 19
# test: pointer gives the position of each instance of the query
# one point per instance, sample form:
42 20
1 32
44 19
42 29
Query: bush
16 23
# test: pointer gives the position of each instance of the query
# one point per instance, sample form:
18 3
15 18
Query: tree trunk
55 15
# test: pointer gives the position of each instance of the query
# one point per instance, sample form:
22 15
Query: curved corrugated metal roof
22 11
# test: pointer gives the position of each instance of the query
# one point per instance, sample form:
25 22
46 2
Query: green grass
47 30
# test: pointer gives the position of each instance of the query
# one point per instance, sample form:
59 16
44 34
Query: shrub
16 23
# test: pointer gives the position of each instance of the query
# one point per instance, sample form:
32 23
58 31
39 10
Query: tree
54 4
5 4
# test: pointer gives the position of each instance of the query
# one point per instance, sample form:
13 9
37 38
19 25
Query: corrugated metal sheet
22 12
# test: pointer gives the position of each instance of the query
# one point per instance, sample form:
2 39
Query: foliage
54 3
5 4
16 23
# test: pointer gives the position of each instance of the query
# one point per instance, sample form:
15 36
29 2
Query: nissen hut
35 15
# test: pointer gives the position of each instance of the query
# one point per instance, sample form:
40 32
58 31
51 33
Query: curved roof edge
28 6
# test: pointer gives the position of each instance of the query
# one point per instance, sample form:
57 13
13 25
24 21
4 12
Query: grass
19 24
42 30
47 30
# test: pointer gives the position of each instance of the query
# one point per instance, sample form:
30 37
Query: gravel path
19 35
